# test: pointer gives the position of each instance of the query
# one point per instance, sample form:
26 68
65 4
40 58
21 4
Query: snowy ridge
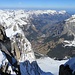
11 20
52 12
62 12
38 12
24 44
21 17
72 19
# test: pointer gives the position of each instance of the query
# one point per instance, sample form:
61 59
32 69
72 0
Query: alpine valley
39 39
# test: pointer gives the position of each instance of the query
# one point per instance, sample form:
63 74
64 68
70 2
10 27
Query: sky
37 4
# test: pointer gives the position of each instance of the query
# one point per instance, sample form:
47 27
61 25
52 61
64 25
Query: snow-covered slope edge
22 17
50 65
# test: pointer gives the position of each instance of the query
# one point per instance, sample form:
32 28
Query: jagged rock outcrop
17 51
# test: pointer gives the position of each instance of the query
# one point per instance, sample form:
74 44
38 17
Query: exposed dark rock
5 46
65 70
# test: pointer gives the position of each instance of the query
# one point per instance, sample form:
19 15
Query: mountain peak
62 12
71 19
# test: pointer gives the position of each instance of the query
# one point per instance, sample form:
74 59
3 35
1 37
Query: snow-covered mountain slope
72 19
50 65
52 12
12 25
70 28
46 64
32 69
13 31
13 20
11 17
23 44
31 19
21 17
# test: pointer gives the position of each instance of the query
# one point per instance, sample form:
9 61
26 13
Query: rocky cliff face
18 49
13 20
